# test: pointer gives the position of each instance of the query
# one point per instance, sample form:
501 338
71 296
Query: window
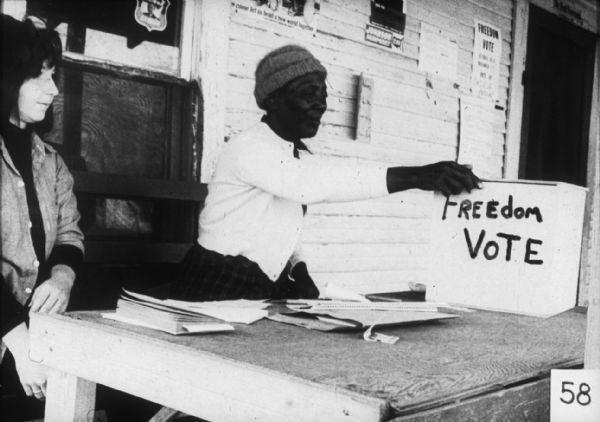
124 123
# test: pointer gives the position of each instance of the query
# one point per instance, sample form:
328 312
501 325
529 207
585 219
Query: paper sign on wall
487 53
386 24
293 14
438 54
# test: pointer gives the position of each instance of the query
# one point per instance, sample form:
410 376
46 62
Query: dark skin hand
305 285
297 285
447 177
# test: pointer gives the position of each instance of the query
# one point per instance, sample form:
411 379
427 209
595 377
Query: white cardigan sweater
253 207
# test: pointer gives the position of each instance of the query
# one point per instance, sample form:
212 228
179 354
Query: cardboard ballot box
513 246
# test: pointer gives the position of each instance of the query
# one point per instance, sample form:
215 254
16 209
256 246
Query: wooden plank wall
377 245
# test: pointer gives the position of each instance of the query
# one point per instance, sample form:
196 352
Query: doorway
557 100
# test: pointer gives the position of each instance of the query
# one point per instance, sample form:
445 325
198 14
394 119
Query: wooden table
480 366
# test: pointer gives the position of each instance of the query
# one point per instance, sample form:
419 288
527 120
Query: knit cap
282 65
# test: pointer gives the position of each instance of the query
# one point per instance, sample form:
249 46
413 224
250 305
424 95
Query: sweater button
28 290
20 183
36 263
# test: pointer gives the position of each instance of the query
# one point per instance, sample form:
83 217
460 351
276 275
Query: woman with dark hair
41 244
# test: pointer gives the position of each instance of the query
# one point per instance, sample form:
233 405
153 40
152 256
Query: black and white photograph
300 210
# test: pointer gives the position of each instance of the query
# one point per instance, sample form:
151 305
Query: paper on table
310 323
369 335
238 315
231 304
342 320
329 305
383 318
335 292
199 328
190 328
236 311
336 321
239 303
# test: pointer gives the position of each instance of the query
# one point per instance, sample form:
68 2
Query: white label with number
574 395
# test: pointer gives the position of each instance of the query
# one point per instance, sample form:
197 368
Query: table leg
69 398
165 414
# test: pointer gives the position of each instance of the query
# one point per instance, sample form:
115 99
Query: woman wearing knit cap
264 178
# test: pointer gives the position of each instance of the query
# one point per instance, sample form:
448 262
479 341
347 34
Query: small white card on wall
438 53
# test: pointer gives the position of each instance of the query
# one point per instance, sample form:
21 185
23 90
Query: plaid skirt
206 275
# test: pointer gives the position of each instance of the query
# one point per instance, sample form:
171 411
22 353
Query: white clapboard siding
364 229
348 258
409 204
344 54
417 100
398 152
456 15
352 55
410 125
382 244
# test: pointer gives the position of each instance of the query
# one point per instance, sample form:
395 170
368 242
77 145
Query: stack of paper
326 315
181 317
170 321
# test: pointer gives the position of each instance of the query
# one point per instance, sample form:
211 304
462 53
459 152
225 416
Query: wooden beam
590 263
73 94
515 99
186 45
137 187
364 101
165 414
530 401
69 398
210 70
90 64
